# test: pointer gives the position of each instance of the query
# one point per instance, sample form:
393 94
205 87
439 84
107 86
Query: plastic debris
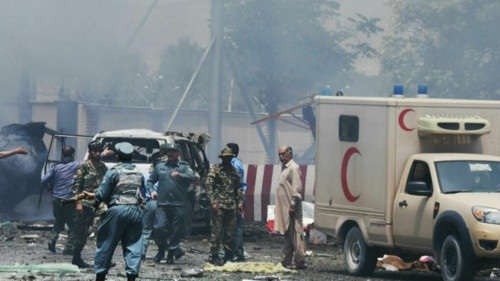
8 224
193 272
47 267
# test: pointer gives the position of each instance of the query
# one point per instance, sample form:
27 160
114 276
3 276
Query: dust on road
28 246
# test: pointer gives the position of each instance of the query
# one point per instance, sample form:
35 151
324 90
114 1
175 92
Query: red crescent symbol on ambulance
343 174
402 121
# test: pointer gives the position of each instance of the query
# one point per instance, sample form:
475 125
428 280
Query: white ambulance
410 176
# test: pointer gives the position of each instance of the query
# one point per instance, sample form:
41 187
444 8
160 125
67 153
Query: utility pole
215 107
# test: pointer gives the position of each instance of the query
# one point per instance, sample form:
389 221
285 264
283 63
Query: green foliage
177 66
452 46
277 51
281 49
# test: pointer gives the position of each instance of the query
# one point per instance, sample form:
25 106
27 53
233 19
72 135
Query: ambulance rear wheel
360 259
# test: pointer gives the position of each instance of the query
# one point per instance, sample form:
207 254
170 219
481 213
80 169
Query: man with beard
88 178
288 217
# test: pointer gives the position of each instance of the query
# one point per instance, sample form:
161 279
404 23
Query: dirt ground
326 262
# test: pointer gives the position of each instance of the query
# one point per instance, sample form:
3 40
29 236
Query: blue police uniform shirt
145 190
239 167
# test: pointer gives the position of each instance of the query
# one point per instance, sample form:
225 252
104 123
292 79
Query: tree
177 66
452 46
286 49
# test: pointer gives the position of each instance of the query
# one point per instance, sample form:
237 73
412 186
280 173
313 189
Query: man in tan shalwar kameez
288 217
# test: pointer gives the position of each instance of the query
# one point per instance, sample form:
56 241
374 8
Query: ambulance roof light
422 91
398 91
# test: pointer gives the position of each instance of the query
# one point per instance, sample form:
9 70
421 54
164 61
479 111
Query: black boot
239 255
215 260
160 255
100 277
78 261
131 277
170 257
179 253
52 246
228 255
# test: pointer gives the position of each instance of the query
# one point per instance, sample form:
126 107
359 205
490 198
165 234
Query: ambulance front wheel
455 265
360 259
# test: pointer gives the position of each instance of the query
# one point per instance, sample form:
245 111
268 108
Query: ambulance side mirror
418 188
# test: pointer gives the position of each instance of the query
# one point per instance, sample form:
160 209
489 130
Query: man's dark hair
289 150
234 147
67 151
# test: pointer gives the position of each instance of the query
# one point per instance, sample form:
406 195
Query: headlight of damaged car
486 215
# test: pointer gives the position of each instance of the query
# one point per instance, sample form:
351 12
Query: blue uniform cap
124 150
169 146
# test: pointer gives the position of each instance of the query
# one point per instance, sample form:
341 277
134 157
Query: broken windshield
145 150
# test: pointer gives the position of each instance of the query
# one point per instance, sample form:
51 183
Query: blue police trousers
120 223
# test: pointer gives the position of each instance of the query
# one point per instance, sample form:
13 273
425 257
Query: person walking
59 180
88 178
122 222
225 194
288 217
239 254
149 218
173 177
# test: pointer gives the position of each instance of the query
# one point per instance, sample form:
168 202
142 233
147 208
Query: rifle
73 199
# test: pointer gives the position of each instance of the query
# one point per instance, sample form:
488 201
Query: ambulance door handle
403 204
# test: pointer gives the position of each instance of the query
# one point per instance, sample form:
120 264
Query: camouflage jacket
224 186
88 178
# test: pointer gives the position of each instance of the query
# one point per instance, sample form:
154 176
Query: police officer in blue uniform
173 177
122 222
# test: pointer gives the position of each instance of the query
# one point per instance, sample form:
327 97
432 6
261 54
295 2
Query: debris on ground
251 267
47 267
263 278
315 236
192 272
30 238
8 224
395 263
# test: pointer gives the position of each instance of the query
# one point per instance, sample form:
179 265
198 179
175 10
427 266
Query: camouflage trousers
82 222
97 216
223 226
63 214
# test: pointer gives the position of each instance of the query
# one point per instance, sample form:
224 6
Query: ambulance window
420 172
349 128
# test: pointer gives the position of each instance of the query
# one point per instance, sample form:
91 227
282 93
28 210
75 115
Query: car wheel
360 259
455 266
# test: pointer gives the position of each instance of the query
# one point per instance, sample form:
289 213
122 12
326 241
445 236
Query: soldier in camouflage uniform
88 178
225 194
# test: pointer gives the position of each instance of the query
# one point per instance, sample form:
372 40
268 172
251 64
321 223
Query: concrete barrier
262 181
